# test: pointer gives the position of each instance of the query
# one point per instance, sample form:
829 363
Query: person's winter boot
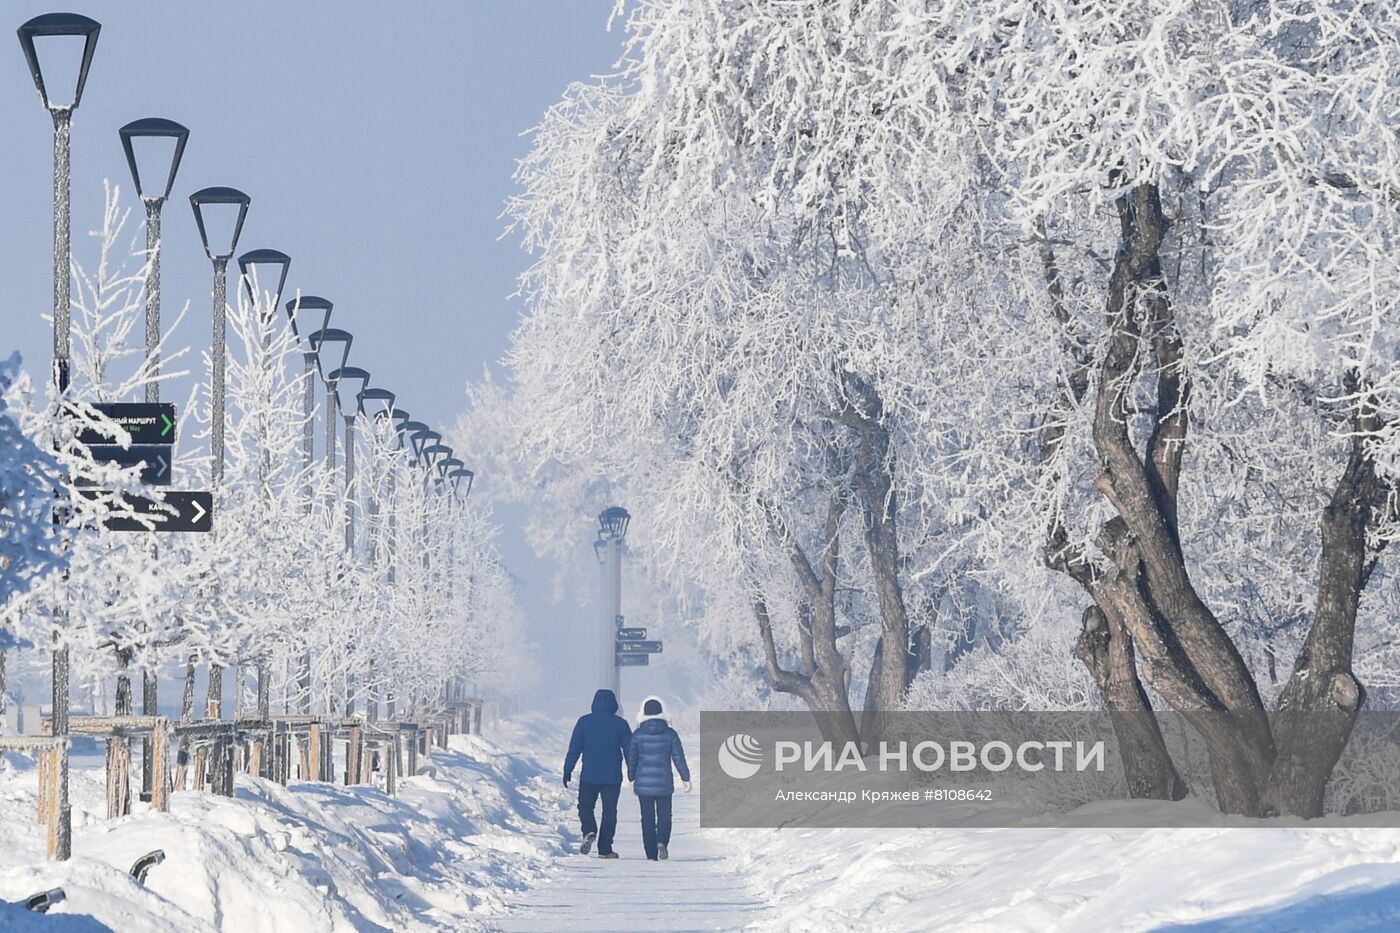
662 853
608 855
587 843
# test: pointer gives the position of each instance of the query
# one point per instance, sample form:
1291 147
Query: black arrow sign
632 660
194 511
631 634
638 647
146 422
154 458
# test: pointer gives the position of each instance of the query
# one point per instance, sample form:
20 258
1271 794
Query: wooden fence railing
211 751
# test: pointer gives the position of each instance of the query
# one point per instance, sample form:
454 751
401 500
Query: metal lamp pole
151 128
373 532
259 268
298 311
220 250
324 344
336 338
346 377
72 26
612 528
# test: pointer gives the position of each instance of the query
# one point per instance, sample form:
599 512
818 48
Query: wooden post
314 752
53 816
391 765
45 801
160 766
352 756
199 761
118 777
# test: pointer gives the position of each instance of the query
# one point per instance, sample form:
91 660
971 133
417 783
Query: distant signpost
638 647
632 660
631 634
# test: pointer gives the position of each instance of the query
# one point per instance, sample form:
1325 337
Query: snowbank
443 854
1076 879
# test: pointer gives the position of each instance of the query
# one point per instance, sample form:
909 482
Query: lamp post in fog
612 531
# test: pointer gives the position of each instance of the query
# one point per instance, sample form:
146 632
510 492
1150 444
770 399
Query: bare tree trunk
863 411
214 695
123 704
1320 702
823 684
1106 649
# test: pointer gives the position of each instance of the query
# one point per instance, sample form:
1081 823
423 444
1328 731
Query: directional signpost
146 422
631 648
151 426
154 460
192 511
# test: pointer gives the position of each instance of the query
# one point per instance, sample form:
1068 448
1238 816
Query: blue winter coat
650 754
601 738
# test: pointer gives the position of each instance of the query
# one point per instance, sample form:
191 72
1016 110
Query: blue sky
376 140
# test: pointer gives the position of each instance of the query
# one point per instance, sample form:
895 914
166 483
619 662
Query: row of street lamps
219 215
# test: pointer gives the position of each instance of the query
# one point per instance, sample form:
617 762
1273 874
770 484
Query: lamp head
308 309
151 129
260 269
227 208
613 522
348 382
72 27
331 347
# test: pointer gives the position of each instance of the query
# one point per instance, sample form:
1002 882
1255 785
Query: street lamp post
401 420
66 27
377 404
331 347
351 380
612 529
263 272
220 249
308 314
153 197
326 343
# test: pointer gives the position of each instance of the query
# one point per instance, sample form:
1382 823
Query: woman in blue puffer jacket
653 748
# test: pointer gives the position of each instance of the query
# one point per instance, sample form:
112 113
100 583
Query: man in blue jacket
654 748
601 738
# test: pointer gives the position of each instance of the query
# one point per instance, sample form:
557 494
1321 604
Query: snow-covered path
700 888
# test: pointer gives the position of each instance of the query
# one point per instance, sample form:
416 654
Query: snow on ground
489 842
699 888
1075 879
443 854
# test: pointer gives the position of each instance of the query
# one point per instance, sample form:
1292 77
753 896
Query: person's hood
641 710
604 701
652 726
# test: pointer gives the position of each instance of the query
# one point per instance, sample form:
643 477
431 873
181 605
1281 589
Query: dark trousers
656 822
588 795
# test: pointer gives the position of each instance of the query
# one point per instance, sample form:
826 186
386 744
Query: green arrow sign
146 422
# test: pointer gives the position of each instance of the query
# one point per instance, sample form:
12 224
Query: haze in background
377 142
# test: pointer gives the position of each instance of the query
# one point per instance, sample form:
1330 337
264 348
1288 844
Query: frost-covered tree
1115 282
